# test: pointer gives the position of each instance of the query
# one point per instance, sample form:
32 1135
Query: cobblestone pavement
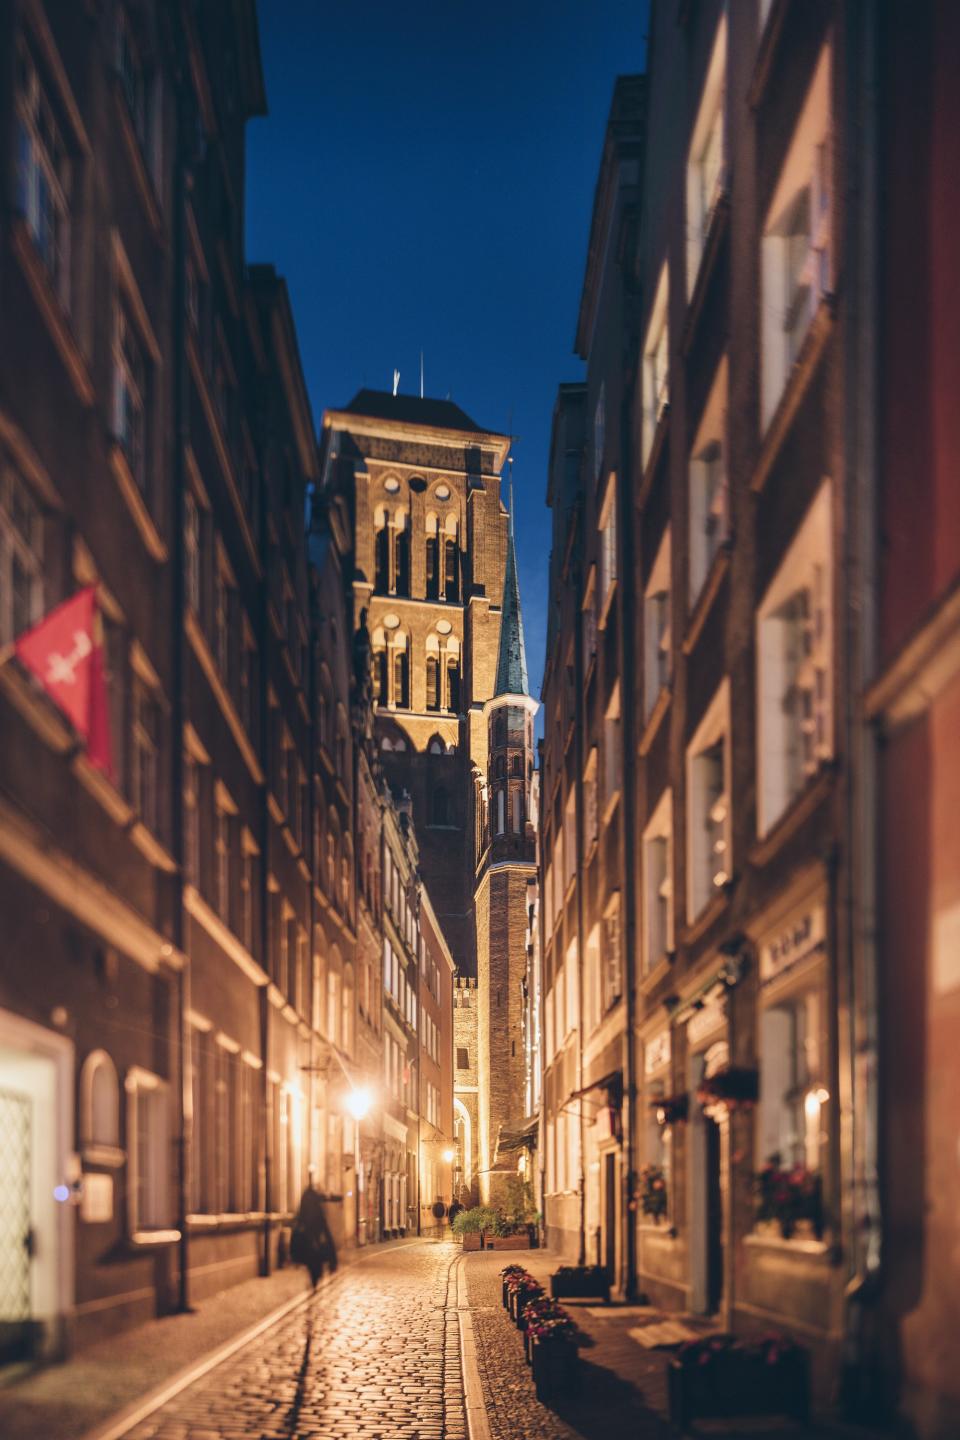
374 1355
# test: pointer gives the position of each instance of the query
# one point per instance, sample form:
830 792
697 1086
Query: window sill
708 593
606 605
54 316
148 1239
798 383
150 847
800 1246
136 504
609 809
801 807
652 724
200 1223
705 270
653 459
104 791
652 978
707 917
108 1157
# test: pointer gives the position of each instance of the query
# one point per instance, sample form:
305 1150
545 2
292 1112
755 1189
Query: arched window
432 566
501 767
517 812
380 676
451 569
381 557
453 684
433 682
346 1010
401 679
500 729
517 767
500 812
435 747
333 1004
441 814
401 574
99 1103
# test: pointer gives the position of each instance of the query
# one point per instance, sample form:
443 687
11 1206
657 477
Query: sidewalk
65 1402
623 1390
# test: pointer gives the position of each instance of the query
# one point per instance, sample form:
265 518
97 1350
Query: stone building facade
466 1122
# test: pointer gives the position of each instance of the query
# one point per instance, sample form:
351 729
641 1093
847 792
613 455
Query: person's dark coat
311 1243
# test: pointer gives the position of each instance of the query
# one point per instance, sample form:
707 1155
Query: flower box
520 1241
555 1366
580 1282
472 1240
721 1378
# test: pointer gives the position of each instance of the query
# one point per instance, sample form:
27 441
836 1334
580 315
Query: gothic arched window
517 811
517 767
433 567
401 680
500 819
380 676
433 683
401 574
451 570
453 684
501 767
381 559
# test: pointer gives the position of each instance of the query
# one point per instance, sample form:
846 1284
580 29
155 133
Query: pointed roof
512 656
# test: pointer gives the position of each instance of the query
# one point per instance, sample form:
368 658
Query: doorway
610 1215
707 1193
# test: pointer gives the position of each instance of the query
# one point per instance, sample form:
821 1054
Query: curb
124 1420
478 1425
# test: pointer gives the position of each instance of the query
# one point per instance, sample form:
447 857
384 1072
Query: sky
424 181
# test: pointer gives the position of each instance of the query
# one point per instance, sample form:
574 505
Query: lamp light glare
358 1103
448 1156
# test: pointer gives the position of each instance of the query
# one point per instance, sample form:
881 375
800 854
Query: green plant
519 1208
788 1196
653 1192
481 1217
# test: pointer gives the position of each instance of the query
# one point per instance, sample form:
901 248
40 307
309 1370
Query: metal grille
15 1119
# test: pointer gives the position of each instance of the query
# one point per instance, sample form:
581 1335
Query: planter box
473 1240
737 1384
556 1369
507 1242
584 1283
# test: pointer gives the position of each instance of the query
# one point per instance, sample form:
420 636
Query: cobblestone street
375 1355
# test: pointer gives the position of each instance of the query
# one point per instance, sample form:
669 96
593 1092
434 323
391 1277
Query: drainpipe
578 734
182 166
862 1217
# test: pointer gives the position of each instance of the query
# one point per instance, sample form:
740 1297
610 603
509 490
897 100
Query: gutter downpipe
578 732
861 1208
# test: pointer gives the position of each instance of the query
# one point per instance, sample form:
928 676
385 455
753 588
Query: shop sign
703 1022
803 937
656 1053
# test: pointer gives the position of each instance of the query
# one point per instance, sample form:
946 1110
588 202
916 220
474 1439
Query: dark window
463 1059
382 579
433 568
402 571
433 683
380 676
451 570
401 680
501 767
453 685
517 765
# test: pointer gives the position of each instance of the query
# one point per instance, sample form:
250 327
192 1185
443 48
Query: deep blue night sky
425 179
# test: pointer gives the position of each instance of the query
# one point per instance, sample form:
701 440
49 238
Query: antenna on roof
421 374
396 380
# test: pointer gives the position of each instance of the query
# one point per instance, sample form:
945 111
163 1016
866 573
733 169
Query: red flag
65 652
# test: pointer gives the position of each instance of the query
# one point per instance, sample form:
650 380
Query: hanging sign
804 936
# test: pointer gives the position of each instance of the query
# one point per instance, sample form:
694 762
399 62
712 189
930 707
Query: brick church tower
506 875
430 529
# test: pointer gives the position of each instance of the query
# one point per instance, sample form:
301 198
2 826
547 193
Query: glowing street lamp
449 1156
359 1102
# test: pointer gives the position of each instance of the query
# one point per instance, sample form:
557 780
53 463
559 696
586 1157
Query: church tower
505 888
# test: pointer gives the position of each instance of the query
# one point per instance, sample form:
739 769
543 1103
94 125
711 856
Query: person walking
311 1243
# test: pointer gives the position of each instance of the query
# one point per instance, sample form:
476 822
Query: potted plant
553 1353
734 1086
506 1274
788 1196
721 1377
471 1225
653 1192
580 1282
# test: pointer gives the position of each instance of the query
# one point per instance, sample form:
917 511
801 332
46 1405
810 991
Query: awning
510 1141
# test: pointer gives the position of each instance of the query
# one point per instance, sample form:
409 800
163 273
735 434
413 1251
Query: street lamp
359 1102
449 1156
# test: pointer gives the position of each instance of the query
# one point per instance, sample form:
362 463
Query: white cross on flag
65 653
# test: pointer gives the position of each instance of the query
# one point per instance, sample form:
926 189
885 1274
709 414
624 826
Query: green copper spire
512 656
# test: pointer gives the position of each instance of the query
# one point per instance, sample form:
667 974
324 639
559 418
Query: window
794 650
612 954
381 544
221 845
433 564
401 677
145 754
599 432
441 812
191 818
792 1094
592 982
193 546
249 685
589 620
380 676
590 816
709 833
248 864
21 555
347 1004
795 259
655 375
709 503
433 682
139 90
657 651
612 757
117 678
401 572
608 543
570 837
43 173
131 371
705 162
148 1157
500 808
451 569
658 883
453 683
